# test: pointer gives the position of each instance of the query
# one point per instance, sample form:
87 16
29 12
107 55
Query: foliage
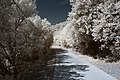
100 23
106 27
22 40
93 28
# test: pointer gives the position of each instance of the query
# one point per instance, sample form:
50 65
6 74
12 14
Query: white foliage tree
93 22
106 28
80 19
24 36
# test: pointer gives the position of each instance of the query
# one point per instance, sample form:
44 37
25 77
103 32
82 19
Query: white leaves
81 30
96 29
106 26
106 30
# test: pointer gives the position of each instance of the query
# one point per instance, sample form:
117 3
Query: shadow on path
58 67
42 70
67 70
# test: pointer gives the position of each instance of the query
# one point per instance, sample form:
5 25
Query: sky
55 11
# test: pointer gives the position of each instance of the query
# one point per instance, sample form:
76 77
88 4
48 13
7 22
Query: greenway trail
71 66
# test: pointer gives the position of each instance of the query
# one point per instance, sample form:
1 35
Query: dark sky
54 10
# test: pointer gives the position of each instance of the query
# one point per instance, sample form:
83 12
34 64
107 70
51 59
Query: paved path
70 66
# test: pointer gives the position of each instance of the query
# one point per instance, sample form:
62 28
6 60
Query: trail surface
71 66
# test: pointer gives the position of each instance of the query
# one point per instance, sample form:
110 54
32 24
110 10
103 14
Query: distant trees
56 29
21 38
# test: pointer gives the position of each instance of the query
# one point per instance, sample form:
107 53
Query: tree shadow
65 70
59 50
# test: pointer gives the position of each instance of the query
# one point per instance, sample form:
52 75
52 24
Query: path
70 66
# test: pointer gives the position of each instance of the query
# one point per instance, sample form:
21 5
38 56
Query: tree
21 41
106 27
81 19
94 24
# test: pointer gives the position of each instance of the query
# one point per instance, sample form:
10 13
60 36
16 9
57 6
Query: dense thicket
24 37
93 28
99 26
